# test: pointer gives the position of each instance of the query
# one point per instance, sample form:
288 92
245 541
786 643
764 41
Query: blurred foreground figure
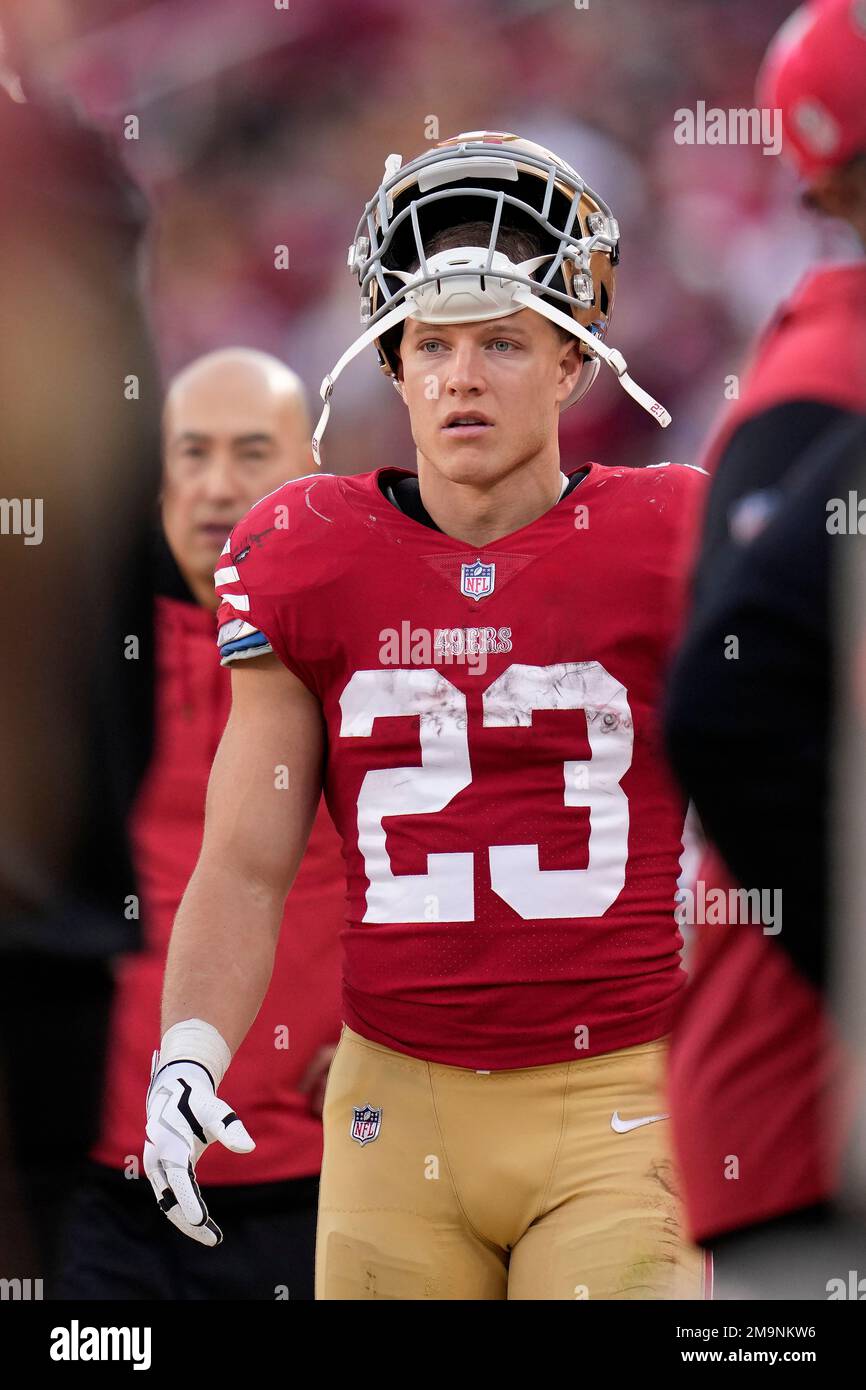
80 426
756 1075
763 1085
236 427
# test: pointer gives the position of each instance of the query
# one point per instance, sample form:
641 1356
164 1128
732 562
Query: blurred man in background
755 1066
236 427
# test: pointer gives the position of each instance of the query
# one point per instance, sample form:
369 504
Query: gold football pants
513 1184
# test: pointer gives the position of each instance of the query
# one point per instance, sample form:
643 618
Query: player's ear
398 378
570 363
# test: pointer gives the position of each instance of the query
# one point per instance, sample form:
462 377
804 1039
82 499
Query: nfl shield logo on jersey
477 579
366 1123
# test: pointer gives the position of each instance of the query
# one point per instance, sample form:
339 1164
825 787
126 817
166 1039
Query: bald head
234 387
235 427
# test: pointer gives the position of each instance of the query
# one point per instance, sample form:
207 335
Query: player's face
227 443
510 375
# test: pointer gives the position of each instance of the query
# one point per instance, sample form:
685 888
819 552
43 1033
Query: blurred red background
261 126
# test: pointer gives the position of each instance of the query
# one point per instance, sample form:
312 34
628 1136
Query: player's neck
480 515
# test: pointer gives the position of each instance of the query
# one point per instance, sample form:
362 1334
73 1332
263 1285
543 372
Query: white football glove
184 1116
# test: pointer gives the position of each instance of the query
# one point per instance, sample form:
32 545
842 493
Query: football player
468 659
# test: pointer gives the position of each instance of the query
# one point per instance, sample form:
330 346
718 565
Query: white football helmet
498 179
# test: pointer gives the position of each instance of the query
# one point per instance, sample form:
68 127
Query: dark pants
118 1245
815 1254
54 1015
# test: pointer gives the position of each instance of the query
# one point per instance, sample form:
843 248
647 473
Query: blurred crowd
261 128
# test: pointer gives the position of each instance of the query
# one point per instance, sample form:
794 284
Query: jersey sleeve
254 595
247 624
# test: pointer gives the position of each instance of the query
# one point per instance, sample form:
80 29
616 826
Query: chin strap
612 356
522 295
367 337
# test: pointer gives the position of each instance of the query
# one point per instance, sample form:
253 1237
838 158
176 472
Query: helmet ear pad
388 344
588 373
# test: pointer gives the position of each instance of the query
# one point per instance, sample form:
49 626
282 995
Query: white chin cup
476 294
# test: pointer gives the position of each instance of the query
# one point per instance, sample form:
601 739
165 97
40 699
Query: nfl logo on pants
366 1123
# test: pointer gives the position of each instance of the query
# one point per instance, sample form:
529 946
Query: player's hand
315 1078
184 1116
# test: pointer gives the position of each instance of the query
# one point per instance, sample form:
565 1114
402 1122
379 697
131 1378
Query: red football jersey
813 349
510 830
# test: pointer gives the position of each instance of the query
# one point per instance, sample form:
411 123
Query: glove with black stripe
184 1116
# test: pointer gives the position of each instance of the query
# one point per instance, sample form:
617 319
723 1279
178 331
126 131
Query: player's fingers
208 1233
186 1193
173 1130
154 1171
316 1098
317 1069
224 1125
